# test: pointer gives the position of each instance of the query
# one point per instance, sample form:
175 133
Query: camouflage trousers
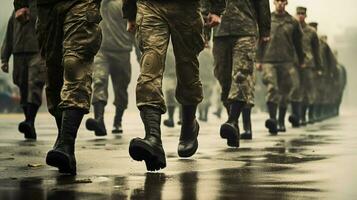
117 66
282 81
308 86
234 59
156 22
69 37
29 75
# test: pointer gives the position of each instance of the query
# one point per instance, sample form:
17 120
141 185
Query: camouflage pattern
242 17
285 43
311 46
29 75
183 22
116 65
234 58
69 37
281 80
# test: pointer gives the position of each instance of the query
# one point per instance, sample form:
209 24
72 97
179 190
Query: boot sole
61 161
27 131
272 127
191 152
140 151
228 132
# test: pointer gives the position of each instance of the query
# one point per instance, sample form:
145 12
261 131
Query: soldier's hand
319 72
259 66
207 46
131 26
303 66
5 67
213 20
23 15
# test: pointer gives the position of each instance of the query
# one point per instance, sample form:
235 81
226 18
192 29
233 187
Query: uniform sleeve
6 48
261 51
262 8
297 39
21 4
315 44
129 9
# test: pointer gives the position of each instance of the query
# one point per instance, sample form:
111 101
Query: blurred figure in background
311 46
113 59
29 67
341 84
277 60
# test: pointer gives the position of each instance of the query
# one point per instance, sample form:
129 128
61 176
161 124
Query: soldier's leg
289 83
186 27
270 80
100 94
222 54
152 34
241 91
121 74
80 42
36 81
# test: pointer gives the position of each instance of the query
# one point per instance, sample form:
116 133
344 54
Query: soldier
278 65
311 48
155 22
69 37
208 80
329 63
341 84
29 68
112 59
235 41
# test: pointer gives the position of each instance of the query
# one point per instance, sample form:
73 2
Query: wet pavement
314 162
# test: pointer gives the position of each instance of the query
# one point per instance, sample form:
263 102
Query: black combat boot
303 115
28 126
170 121
294 118
97 124
190 128
230 129
281 119
271 123
150 148
218 112
117 127
247 124
62 155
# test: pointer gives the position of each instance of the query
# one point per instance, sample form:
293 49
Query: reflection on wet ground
306 163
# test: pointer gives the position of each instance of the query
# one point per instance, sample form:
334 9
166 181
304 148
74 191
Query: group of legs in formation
70 36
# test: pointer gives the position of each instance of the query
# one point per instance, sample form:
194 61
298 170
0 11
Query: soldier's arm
262 8
315 44
297 39
6 48
129 9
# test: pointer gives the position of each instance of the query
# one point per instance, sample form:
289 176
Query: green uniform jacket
129 7
311 46
328 59
285 43
20 38
25 3
245 18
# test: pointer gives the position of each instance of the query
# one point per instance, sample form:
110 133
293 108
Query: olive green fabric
69 37
157 21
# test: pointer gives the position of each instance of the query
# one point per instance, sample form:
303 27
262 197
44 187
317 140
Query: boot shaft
272 109
151 118
99 108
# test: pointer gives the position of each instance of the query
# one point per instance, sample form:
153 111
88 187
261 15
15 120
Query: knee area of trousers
151 61
75 68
